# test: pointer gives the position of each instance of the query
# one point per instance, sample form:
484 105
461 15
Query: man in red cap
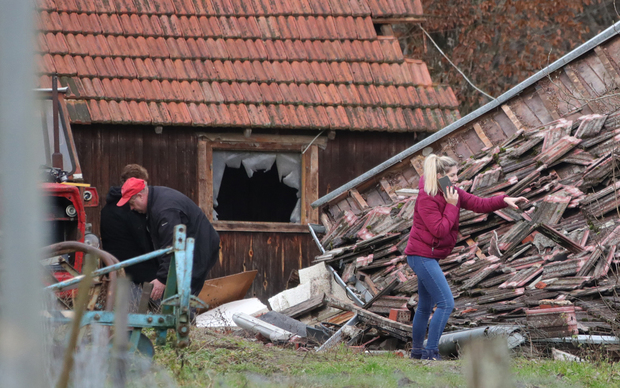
124 233
165 208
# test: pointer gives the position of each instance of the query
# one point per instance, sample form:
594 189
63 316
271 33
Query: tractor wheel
107 259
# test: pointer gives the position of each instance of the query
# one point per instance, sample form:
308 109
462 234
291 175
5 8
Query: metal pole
316 239
21 334
115 267
56 156
334 339
342 284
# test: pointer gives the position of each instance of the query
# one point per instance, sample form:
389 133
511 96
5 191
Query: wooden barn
252 108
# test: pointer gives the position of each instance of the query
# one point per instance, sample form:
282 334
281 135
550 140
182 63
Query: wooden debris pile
562 245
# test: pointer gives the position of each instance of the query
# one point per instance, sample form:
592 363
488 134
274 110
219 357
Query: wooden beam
250 145
62 105
305 306
603 56
310 185
511 115
483 137
326 222
387 188
293 140
363 277
542 91
398 20
372 317
479 253
205 177
385 291
267 227
447 146
418 164
577 82
357 198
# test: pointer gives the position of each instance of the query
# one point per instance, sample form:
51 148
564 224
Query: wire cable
453 65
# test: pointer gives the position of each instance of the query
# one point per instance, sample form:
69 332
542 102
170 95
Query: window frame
208 142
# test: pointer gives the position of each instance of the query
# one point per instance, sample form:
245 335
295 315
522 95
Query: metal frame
176 302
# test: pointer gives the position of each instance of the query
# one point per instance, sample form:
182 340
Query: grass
216 360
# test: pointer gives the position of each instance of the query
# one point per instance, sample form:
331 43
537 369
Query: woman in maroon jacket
432 238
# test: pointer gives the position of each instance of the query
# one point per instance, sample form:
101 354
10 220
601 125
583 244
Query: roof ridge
175 13
379 9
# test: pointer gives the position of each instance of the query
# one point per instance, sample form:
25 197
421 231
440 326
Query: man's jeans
433 289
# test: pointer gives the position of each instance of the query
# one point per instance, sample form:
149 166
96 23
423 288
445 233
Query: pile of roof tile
562 245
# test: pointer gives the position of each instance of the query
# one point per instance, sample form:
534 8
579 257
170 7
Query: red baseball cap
130 188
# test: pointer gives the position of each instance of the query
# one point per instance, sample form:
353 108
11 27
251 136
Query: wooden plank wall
570 92
350 154
274 255
171 159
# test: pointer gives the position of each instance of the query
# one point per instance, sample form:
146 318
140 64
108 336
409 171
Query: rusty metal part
107 258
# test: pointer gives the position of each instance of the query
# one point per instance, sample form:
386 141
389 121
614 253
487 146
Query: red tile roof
259 63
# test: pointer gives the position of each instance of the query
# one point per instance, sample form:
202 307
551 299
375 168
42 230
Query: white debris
563 356
222 316
268 330
314 280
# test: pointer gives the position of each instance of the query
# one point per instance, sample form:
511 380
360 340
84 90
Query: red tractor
64 188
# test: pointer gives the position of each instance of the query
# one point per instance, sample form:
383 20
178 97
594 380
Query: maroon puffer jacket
436 222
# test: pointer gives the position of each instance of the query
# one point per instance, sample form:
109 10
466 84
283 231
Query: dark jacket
167 208
436 222
124 234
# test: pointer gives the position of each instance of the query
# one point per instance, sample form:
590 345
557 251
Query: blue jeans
433 289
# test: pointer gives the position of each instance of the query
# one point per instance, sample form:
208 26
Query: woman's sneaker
431 354
416 353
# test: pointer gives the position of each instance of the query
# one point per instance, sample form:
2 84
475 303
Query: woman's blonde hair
434 165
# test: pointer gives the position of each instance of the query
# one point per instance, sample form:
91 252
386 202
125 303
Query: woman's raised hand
452 196
512 201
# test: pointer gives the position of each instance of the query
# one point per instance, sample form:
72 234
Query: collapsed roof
561 246
553 139
573 86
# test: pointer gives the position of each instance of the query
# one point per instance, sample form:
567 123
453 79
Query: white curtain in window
288 165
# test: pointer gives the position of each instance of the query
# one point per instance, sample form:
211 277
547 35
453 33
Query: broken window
262 184
257 186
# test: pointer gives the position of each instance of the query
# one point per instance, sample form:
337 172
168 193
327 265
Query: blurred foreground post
21 358
121 340
79 307
486 363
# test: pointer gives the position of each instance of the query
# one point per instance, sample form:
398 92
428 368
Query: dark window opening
378 29
384 29
261 198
